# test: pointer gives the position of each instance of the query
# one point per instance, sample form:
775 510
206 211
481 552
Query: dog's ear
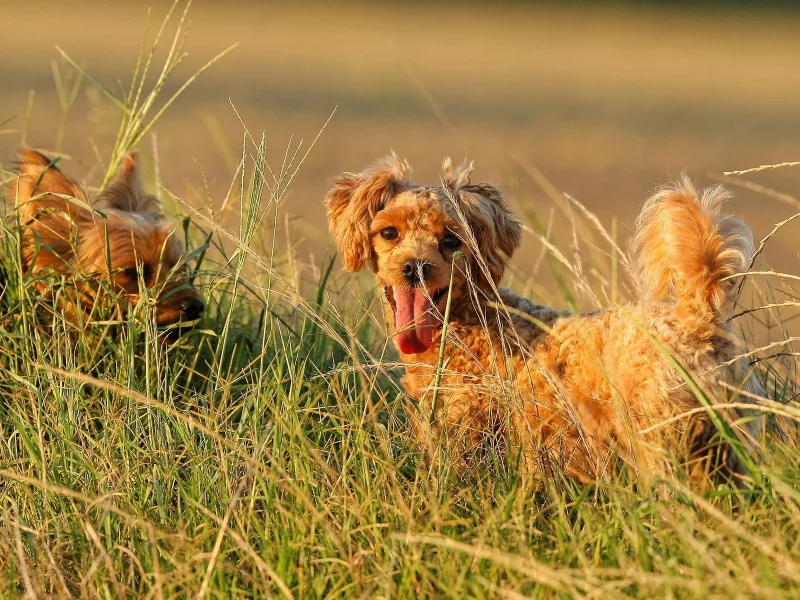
354 201
51 205
126 192
42 185
497 231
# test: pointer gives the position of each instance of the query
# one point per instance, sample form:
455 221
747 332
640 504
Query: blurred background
603 100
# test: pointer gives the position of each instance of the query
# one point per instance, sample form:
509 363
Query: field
267 454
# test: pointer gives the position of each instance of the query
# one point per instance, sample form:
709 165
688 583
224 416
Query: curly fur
688 251
355 199
567 392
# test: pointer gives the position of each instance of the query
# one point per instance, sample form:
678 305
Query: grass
266 454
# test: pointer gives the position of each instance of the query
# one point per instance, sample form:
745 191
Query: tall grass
266 454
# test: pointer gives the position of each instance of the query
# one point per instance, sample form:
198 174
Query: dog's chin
169 334
414 318
169 337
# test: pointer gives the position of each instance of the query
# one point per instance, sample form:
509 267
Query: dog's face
125 242
416 238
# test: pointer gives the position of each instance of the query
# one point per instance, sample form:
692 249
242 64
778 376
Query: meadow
266 454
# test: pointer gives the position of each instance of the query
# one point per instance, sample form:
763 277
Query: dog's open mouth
412 316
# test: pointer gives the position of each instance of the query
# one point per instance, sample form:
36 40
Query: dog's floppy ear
127 191
51 204
497 231
354 201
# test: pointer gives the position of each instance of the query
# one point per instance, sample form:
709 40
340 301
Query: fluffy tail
687 251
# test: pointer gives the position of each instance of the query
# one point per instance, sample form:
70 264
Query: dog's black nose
192 308
413 268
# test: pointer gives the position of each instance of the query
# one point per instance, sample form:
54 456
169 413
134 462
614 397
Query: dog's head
413 237
121 238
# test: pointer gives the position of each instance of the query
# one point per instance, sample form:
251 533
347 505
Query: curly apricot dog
568 392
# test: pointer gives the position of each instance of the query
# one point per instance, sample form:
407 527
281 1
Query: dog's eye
133 273
451 242
390 233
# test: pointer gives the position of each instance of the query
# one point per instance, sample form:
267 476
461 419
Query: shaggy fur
567 392
117 242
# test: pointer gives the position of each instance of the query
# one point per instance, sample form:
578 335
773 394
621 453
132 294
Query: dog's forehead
421 197
132 233
422 207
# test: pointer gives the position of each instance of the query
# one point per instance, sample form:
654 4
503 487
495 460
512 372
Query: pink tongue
412 318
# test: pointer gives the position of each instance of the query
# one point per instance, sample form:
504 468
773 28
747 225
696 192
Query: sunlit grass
267 453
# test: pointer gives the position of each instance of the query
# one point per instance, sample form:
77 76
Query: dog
118 242
564 393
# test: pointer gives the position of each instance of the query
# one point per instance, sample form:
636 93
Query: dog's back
607 380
